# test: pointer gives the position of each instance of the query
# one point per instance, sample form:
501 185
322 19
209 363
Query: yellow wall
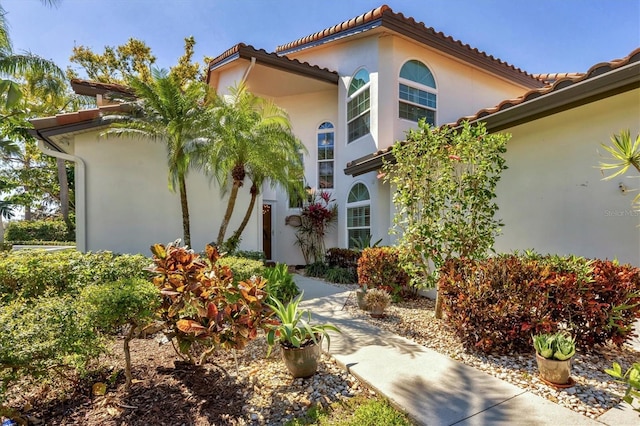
553 199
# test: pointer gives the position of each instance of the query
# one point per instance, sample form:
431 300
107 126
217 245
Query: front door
266 230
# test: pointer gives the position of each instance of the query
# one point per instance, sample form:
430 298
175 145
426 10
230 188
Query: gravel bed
274 397
594 392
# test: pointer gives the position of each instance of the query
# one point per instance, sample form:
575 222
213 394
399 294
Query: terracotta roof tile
420 32
248 51
549 78
92 88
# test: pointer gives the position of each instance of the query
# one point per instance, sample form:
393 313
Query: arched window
417 93
358 214
325 155
358 105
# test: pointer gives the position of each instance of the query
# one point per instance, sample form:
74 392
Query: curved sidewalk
432 388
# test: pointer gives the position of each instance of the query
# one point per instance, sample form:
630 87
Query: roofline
243 51
601 81
384 16
93 88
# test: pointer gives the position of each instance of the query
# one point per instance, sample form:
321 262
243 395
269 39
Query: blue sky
537 36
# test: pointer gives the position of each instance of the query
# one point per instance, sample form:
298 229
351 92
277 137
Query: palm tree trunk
231 204
247 214
186 228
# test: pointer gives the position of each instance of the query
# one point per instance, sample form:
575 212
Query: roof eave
278 62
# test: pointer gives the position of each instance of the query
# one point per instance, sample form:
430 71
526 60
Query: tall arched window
417 92
358 214
325 155
358 105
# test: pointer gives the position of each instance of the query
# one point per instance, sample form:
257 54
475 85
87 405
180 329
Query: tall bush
202 305
318 214
380 267
445 183
495 305
39 230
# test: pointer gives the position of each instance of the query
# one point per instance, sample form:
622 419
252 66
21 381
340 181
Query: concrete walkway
432 388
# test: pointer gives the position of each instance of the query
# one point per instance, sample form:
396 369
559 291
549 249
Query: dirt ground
166 391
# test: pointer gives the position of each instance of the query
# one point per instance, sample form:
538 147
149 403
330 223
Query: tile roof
93 88
418 31
245 51
560 83
550 78
570 81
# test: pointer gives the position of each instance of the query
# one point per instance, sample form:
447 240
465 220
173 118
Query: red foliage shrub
342 258
496 305
379 267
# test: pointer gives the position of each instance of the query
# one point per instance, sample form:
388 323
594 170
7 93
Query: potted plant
553 355
299 339
360 295
377 301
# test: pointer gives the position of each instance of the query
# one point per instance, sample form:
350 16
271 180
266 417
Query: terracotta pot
376 311
554 371
301 362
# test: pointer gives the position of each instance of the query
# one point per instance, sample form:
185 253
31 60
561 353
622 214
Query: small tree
445 183
128 302
317 216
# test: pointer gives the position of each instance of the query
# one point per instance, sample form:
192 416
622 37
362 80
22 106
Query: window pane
358 105
325 174
326 125
417 96
359 80
359 192
418 72
415 113
358 127
357 234
358 216
325 146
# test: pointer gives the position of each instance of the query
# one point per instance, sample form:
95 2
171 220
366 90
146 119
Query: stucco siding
553 199
129 206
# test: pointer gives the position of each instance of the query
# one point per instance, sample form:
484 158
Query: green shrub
341 275
109 306
243 269
280 282
43 230
249 254
42 337
496 305
379 267
316 269
6 246
33 273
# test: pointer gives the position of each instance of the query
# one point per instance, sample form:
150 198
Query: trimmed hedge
33 273
39 230
495 305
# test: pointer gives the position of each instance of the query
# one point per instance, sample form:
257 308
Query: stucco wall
129 206
553 199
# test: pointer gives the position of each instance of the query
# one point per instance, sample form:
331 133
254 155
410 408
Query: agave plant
292 329
559 346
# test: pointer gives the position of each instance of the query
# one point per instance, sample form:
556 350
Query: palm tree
12 64
252 138
624 153
174 114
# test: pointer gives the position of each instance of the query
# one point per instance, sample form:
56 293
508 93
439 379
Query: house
351 91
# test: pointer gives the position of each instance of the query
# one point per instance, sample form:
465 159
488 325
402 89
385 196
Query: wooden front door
266 230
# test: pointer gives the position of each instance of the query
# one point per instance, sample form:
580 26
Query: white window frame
418 86
352 97
355 205
320 132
